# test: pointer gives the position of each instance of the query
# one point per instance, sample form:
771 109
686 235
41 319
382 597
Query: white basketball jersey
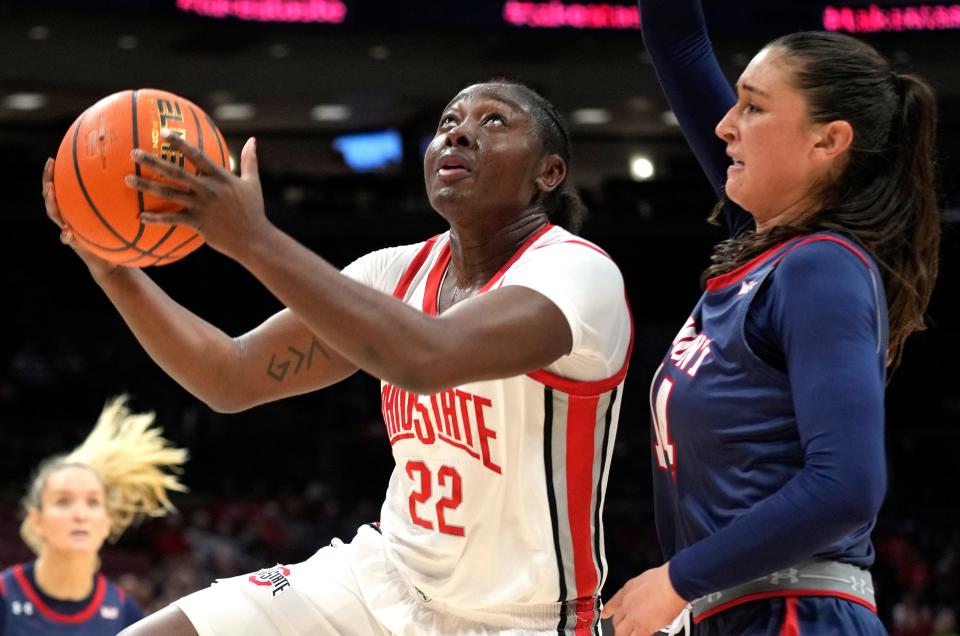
497 494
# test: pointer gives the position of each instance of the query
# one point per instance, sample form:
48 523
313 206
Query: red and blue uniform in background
26 611
768 409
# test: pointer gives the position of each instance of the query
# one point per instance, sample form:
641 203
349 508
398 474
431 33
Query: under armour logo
859 585
789 575
713 597
18 608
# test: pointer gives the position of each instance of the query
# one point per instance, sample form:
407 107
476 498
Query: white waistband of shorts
532 616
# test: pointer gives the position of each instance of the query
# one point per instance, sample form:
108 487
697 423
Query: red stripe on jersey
584 243
3 587
790 625
735 276
586 387
413 268
581 429
832 239
397 438
434 278
513 259
586 611
781 594
72 619
577 387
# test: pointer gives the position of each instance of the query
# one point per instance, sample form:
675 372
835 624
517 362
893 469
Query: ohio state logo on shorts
275 577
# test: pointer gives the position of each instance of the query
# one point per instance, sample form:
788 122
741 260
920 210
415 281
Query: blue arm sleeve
675 34
825 317
131 611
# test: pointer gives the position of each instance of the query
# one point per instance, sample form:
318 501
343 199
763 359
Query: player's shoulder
824 249
827 264
566 248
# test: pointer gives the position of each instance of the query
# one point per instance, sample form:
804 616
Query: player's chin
446 197
735 191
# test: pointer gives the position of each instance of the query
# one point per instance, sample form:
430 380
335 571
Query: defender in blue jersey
74 503
28 611
767 411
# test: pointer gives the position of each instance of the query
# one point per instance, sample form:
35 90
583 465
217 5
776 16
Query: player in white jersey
502 345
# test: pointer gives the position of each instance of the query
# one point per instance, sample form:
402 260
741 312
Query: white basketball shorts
345 589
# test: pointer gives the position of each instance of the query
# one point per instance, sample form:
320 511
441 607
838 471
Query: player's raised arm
501 333
676 38
279 358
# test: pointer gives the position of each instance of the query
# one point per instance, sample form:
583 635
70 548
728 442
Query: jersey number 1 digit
666 451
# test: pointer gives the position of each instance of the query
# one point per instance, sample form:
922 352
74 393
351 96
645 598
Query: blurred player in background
502 346
73 504
768 418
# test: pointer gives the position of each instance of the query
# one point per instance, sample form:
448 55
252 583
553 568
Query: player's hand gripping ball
94 157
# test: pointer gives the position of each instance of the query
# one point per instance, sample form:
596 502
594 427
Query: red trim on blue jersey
3 587
401 289
790 627
581 431
782 594
71 619
833 239
733 277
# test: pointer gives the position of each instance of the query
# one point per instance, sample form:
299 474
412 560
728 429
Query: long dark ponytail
885 198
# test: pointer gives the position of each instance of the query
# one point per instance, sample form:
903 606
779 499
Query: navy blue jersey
737 471
26 611
768 410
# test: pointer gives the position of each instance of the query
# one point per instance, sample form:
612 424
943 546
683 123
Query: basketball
94 157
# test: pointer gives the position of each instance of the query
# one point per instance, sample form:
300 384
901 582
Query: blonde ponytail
130 457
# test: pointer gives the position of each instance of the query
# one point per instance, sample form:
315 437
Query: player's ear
33 521
553 170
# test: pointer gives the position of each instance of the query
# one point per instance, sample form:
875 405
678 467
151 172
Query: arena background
277 482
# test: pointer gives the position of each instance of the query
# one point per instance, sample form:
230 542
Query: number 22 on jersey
447 476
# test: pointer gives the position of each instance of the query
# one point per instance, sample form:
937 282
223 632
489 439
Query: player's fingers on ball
195 155
167 218
162 190
166 168
48 171
50 205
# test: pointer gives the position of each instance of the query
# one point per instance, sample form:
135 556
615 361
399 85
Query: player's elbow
426 378
226 406
856 496
432 366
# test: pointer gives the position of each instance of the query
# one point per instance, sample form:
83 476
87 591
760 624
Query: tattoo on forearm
293 357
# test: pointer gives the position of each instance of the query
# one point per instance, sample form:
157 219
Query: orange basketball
94 157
